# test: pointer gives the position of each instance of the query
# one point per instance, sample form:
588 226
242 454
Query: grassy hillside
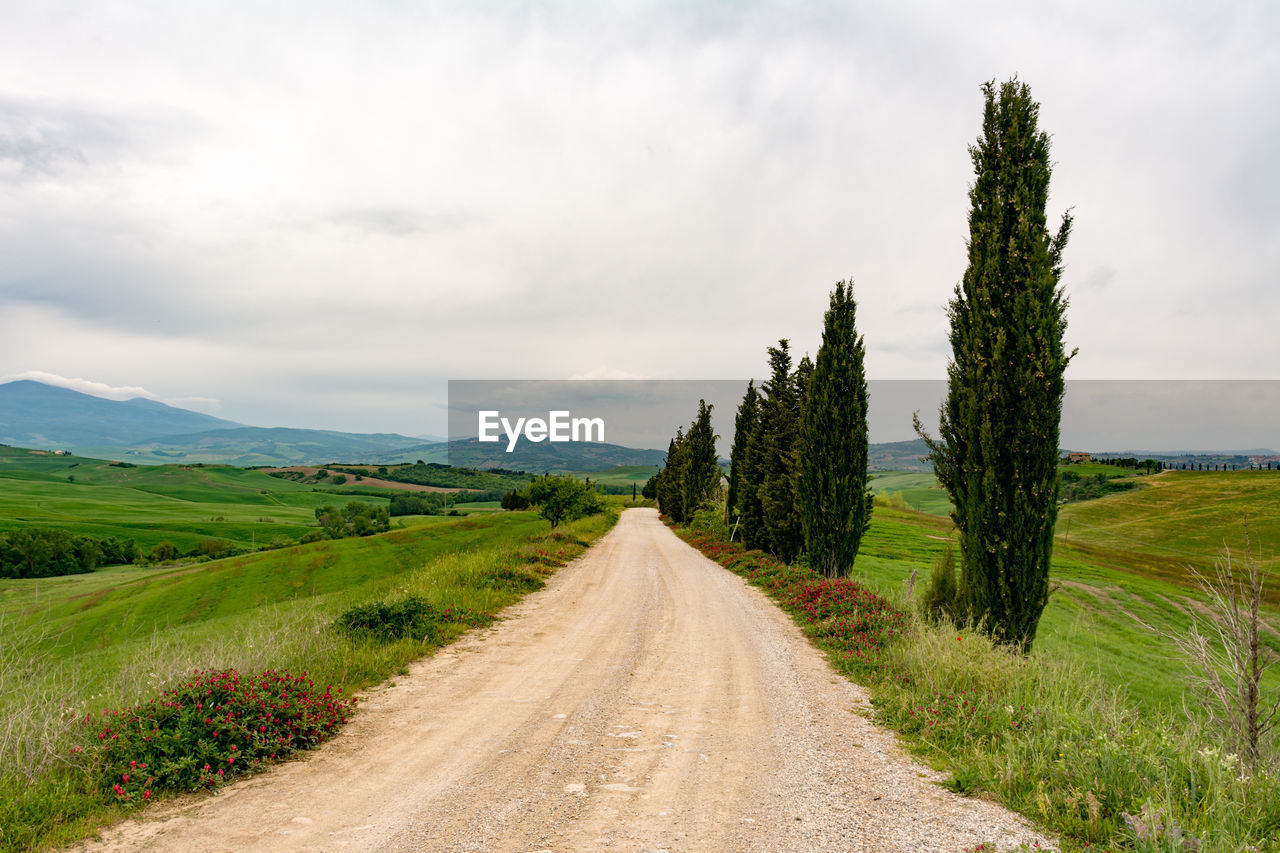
1116 560
917 490
181 504
1182 517
80 645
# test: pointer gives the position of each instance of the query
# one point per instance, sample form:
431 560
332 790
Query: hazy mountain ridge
33 414
46 417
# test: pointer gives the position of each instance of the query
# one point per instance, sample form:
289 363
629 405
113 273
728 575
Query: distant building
1075 458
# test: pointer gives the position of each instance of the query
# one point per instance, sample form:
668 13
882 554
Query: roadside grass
1089 728
114 639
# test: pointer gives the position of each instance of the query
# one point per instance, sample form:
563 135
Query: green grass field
625 475
81 644
912 490
1117 560
179 503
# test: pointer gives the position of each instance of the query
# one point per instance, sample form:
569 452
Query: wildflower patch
216 726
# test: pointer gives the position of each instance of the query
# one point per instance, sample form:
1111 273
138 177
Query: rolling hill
33 414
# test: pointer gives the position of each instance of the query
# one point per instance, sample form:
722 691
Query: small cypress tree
701 473
671 479
800 380
750 508
782 534
998 452
835 503
743 425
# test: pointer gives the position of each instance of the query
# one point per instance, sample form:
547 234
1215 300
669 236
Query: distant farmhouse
1076 458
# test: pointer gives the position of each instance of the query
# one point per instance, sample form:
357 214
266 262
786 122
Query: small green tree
650 489
671 478
701 473
563 498
743 425
831 487
163 552
997 456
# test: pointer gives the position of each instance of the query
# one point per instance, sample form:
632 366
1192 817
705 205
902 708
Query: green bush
411 616
563 498
710 519
354 519
163 552
941 598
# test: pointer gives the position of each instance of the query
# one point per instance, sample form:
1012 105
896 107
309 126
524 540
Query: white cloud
318 214
84 386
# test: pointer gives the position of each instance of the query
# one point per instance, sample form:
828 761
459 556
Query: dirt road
646 700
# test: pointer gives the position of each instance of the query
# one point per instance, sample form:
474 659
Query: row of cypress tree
690 479
798 467
798 475
797 484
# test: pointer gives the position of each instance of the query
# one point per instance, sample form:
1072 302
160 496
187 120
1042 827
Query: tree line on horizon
797 484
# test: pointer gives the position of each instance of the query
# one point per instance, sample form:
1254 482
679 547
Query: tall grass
51 678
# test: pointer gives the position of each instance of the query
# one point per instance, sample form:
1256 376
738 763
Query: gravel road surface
646 700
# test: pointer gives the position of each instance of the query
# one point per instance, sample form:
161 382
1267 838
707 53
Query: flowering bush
215 726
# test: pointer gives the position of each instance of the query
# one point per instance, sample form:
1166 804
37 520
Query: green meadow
82 644
1121 569
183 504
917 491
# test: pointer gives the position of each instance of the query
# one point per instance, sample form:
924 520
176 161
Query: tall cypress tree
743 425
998 451
701 473
779 426
831 484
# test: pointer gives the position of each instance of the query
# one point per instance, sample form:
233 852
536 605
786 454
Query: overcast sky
314 214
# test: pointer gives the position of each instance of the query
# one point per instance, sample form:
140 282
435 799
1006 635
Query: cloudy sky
314 214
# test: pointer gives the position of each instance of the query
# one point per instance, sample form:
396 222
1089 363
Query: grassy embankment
82 644
1091 725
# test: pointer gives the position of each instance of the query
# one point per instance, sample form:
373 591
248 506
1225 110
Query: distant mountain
41 416
249 446
898 456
